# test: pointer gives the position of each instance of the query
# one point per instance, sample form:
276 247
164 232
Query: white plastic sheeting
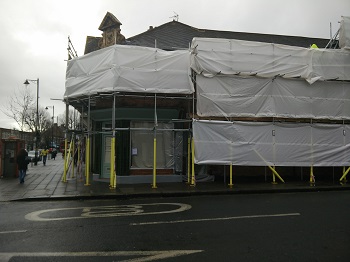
142 142
344 33
279 144
213 56
129 69
235 96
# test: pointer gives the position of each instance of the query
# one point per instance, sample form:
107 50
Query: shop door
122 150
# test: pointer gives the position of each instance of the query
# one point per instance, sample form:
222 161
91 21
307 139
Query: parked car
31 155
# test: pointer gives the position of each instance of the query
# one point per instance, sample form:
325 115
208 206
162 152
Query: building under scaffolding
150 115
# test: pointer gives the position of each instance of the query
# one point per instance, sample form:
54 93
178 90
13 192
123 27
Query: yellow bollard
274 177
230 185
64 178
87 162
112 166
343 178
68 156
79 162
154 185
73 150
312 177
188 160
276 174
193 180
115 168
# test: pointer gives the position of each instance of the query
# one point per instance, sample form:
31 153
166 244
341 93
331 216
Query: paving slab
45 183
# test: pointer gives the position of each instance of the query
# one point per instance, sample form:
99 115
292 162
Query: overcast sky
34 32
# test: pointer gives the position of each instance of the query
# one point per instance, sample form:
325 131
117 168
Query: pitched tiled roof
92 44
176 35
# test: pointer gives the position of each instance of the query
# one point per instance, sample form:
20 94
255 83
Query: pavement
45 183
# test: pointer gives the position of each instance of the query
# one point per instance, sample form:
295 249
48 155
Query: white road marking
145 255
15 231
213 219
110 211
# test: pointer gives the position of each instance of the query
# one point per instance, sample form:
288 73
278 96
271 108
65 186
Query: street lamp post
37 117
53 123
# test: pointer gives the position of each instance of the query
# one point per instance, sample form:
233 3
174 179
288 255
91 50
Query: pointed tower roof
109 21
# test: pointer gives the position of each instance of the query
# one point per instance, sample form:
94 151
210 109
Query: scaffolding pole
275 173
112 178
64 178
231 184
193 180
312 176
189 158
87 153
73 151
154 184
343 178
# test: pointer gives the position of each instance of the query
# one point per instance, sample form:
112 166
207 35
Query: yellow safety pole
343 178
111 178
64 178
87 149
188 160
79 162
275 172
312 177
86 157
115 168
193 180
73 150
154 185
230 185
68 154
154 161
87 162
274 177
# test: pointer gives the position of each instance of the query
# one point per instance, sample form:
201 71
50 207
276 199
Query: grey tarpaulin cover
239 96
238 78
252 79
263 143
213 56
120 68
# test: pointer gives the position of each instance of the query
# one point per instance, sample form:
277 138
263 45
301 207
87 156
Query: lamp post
37 117
53 122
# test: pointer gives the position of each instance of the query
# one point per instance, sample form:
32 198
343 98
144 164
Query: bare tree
22 108
73 119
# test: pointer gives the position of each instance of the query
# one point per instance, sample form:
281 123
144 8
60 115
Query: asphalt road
266 227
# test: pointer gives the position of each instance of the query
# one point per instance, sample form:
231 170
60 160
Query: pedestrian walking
22 163
54 153
44 153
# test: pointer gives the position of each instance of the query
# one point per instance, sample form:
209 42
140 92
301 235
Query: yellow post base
276 174
345 173
154 184
312 177
193 177
188 160
274 177
230 184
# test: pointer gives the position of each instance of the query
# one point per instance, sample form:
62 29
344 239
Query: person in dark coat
22 163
